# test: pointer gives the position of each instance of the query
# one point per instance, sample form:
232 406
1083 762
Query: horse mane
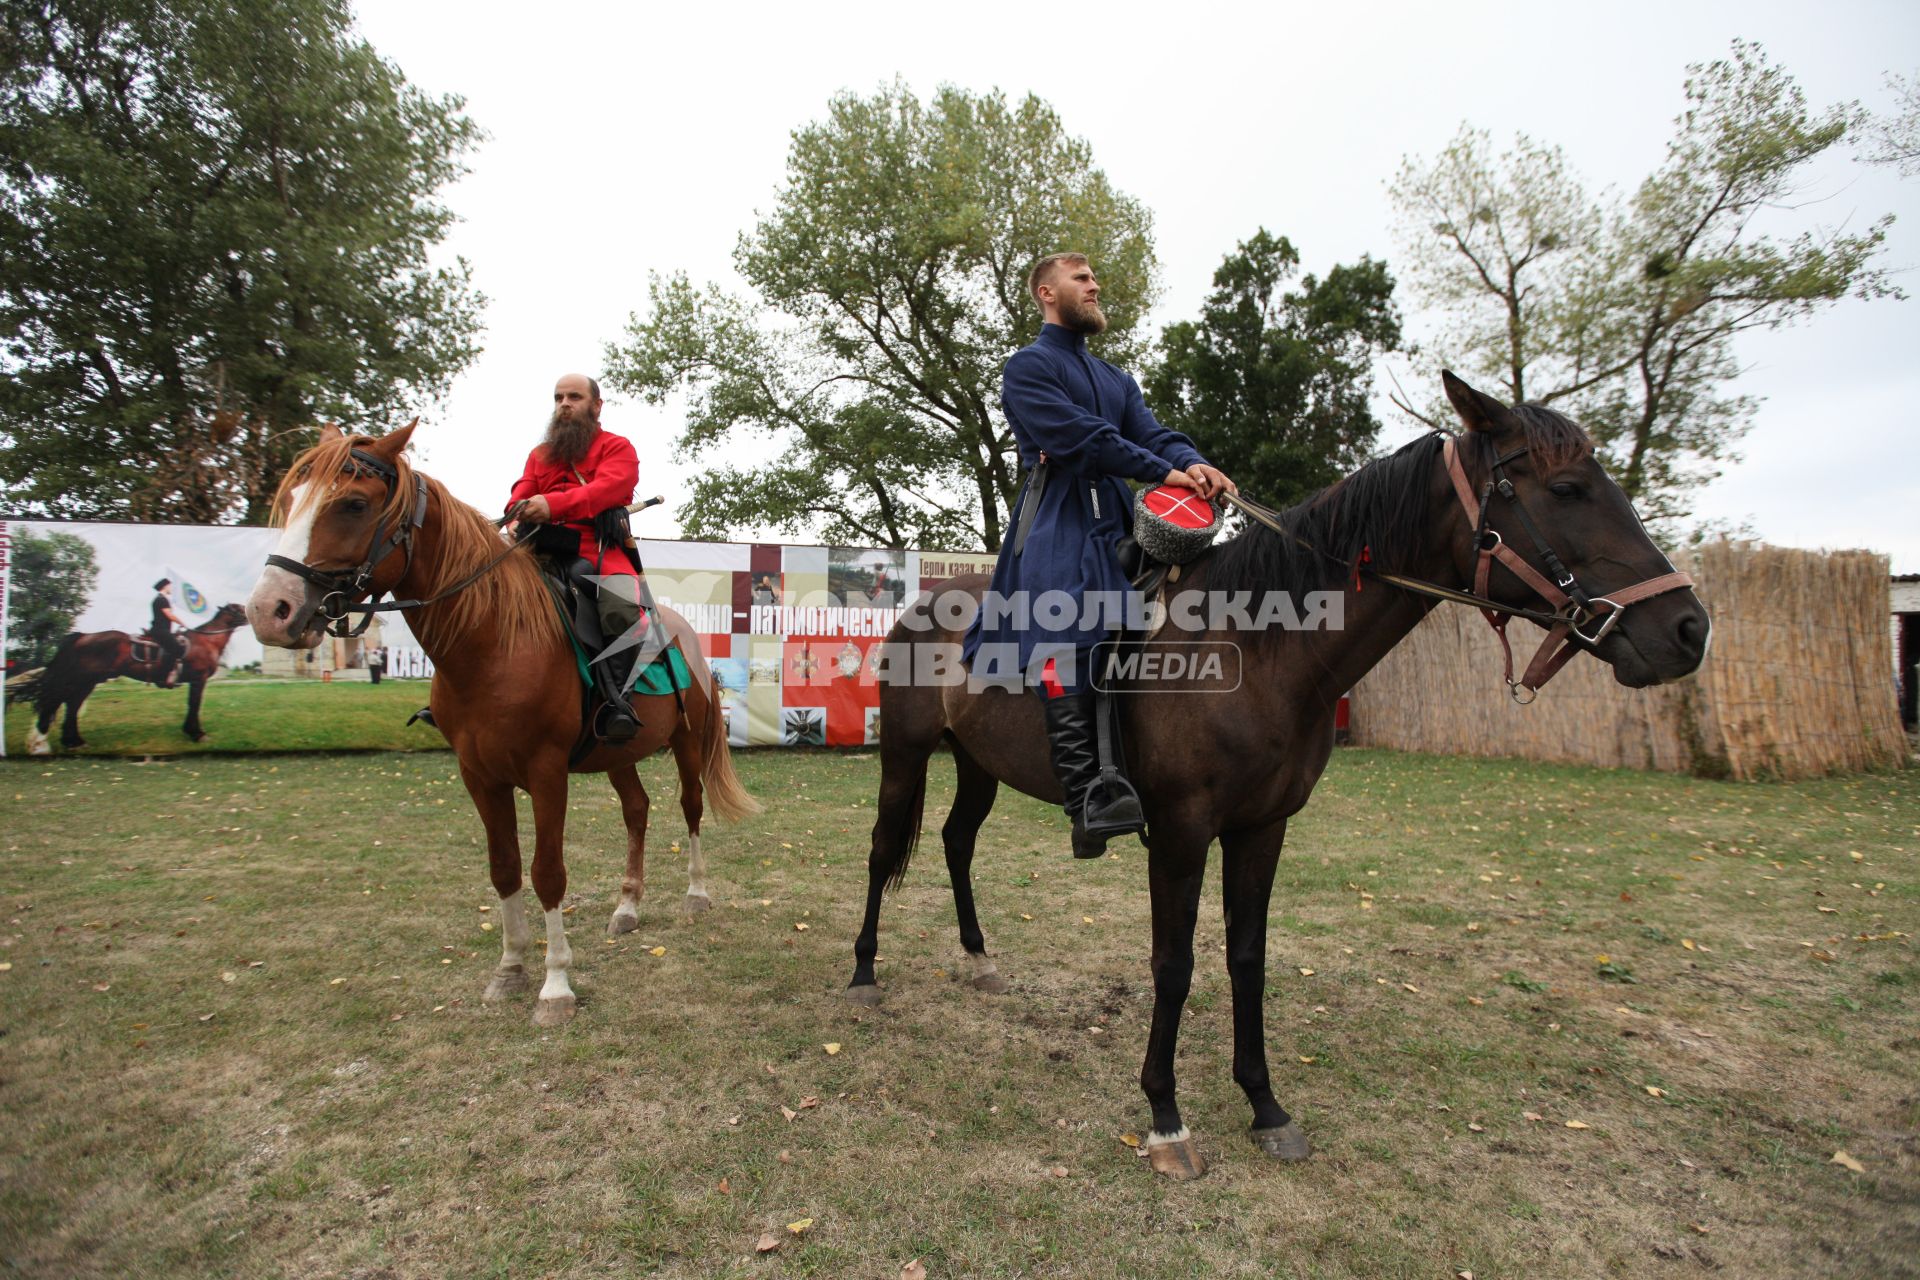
510 596
1380 511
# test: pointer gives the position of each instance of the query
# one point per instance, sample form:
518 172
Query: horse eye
355 506
1563 489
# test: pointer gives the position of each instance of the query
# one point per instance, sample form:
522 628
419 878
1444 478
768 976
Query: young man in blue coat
1083 430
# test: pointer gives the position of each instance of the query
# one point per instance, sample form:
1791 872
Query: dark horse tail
896 832
47 681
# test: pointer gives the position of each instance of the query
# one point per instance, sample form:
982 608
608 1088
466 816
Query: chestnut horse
506 690
1236 765
86 658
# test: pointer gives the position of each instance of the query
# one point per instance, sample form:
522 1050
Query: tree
53 576
1624 312
1895 139
1274 387
891 281
214 227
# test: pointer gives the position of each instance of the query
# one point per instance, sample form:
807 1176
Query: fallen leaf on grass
1533 1116
800 1228
206 1017
1846 1161
1409 986
725 1188
1654 1091
733 1120
1130 1139
1578 1124
103 986
831 1048
800 926
1025 916
1305 1059
785 1156
1476 1001
1306 973
1697 1227
1474 1128
1687 943
656 951
767 1242
486 926
228 976
915 1270
789 1113
809 1103
1058 1171
5 965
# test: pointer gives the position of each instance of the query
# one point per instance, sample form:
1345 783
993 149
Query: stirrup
615 723
1120 815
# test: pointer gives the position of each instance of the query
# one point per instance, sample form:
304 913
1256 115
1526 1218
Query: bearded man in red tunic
578 471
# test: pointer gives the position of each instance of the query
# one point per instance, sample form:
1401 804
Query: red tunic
610 469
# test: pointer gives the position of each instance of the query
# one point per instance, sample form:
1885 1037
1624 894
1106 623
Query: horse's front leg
195 691
549 789
494 803
1248 860
633 812
1176 868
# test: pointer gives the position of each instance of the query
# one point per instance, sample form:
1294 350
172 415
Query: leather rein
344 586
1570 606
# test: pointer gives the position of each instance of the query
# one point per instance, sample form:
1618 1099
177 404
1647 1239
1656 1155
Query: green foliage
1274 386
891 287
214 229
52 579
1623 312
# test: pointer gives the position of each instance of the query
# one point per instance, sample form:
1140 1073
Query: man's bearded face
570 432
1083 316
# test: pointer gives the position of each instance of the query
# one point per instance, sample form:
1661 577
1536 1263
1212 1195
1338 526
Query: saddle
569 580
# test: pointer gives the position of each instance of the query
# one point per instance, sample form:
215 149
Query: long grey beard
569 438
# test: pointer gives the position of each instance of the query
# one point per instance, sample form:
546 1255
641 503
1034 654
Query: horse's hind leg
972 801
633 811
1176 868
494 803
1248 859
903 791
688 758
70 727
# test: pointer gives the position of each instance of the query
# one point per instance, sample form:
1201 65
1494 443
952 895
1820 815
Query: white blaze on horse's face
281 607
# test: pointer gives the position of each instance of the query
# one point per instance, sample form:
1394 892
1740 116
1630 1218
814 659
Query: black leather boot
1102 805
615 722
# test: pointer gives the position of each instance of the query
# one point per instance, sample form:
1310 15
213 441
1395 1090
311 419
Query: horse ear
1478 412
389 445
330 431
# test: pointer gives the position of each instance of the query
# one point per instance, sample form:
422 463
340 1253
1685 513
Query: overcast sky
628 139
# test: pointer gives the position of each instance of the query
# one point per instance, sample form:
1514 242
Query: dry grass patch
289 1072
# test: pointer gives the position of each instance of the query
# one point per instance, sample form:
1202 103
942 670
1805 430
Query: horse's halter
1573 606
344 586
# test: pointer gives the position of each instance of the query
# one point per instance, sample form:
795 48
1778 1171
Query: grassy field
1558 1022
127 718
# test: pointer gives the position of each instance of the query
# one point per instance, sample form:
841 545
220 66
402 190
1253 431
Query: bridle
343 587
1570 606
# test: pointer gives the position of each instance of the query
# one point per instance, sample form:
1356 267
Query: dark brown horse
506 692
1235 766
85 658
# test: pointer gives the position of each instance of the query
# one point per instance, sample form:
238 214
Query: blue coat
1094 427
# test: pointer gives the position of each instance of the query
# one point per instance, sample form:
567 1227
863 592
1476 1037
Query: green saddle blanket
666 673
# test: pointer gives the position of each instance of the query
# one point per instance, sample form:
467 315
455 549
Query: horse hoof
868 995
553 1011
1178 1158
1287 1142
624 921
992 983
506 982
698 902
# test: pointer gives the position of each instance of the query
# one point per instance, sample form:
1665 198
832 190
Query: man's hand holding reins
1205 480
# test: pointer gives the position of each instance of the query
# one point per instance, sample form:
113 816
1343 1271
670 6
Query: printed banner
792 633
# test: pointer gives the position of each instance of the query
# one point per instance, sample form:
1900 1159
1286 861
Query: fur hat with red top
1173 524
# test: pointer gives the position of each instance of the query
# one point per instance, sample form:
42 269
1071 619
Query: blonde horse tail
730 799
